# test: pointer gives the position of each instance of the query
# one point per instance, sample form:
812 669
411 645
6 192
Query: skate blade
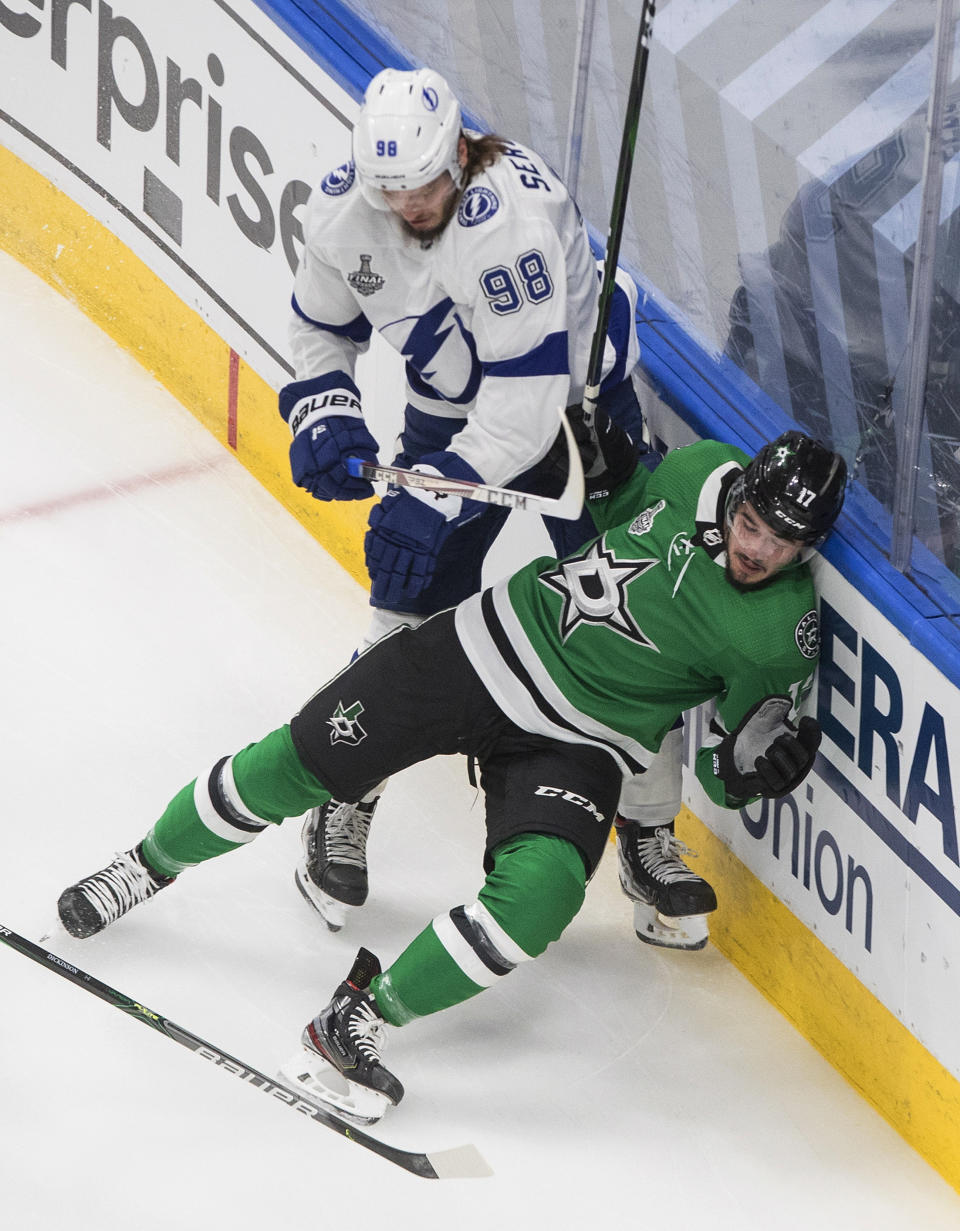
55 931
325 1084
669 931
332 912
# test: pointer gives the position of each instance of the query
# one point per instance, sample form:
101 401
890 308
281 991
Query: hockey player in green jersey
561 683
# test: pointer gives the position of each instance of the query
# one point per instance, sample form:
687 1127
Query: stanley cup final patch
364 280
345 725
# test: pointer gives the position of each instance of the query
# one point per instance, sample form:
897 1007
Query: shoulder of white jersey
337 195
500 195
339 182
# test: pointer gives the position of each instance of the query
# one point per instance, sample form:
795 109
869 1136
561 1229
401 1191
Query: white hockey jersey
495 317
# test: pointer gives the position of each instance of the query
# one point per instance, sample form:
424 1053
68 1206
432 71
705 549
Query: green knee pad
536 887
272 780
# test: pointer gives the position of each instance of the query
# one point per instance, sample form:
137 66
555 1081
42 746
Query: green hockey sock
535 888
423 979
228 807
180 839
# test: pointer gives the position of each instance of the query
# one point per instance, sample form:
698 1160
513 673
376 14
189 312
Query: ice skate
332 874
339 1064
92 904
670 901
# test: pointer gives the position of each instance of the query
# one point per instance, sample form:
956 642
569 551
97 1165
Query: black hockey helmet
796 484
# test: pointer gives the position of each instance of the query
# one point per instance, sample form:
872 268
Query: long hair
482 152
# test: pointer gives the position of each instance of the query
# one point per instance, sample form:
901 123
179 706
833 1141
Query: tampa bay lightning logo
477 205
338 181
430 98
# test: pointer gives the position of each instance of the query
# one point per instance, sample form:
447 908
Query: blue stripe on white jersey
358 330
548 359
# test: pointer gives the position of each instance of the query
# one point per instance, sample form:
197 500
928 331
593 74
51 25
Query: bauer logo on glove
342 403
326 420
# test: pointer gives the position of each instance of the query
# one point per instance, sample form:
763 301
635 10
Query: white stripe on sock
211 818
462 952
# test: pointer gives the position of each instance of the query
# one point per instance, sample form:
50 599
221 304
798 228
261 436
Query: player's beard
746 587
429 235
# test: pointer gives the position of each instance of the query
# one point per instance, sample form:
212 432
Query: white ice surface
160 609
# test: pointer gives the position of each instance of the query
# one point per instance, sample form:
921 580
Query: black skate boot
670 900
332 875
340 1062
89 906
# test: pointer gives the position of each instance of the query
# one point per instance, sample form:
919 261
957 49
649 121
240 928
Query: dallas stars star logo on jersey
594 586
346 728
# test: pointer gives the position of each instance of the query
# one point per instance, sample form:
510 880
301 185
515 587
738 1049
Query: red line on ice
117 487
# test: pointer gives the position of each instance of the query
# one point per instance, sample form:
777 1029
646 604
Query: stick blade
460 1163
570 504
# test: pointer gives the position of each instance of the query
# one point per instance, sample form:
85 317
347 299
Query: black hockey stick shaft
445 1164
619 208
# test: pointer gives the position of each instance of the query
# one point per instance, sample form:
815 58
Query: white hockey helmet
407 134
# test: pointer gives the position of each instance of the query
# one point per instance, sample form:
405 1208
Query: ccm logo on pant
581 802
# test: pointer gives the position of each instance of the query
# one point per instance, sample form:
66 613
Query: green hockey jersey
612 645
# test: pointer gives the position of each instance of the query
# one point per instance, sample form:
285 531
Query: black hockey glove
608 454
767 755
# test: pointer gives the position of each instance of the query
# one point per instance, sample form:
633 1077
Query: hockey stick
567 506
463 1162
618 210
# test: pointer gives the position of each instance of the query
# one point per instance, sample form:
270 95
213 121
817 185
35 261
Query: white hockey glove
767 755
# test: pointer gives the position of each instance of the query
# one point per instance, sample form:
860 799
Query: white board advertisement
865 853
193 130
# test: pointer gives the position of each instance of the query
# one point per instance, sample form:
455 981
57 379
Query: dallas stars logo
345 725
594 586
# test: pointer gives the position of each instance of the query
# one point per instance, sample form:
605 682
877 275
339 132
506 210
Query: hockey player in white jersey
470 258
